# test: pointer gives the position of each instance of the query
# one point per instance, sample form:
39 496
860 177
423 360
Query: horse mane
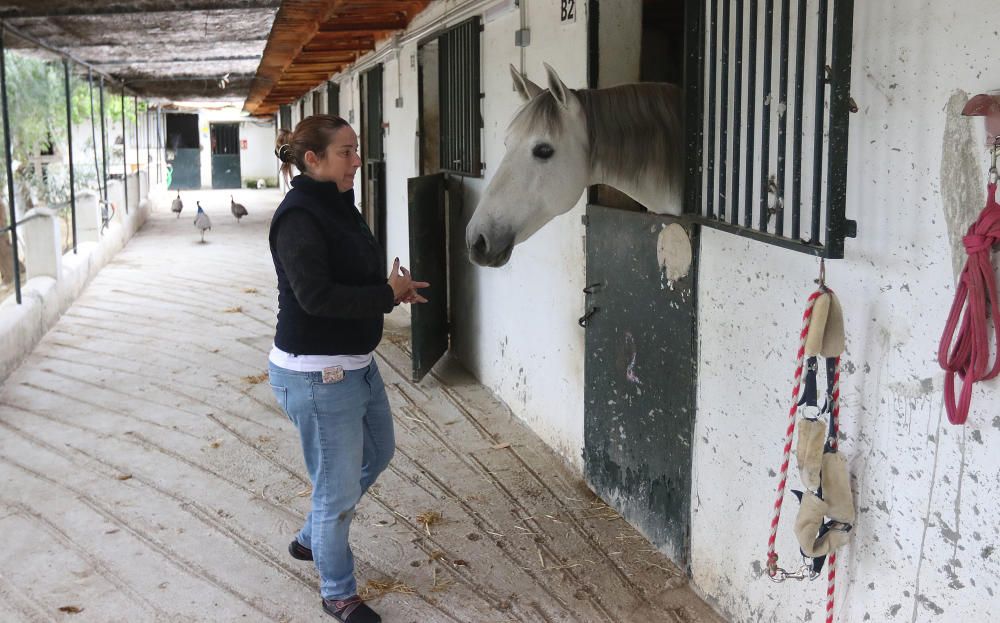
634 130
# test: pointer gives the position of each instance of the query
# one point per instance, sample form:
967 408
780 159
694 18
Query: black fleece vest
356 259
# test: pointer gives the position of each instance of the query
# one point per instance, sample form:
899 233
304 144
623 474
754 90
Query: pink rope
970 354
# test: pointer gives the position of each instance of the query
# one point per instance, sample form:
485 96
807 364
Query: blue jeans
347 440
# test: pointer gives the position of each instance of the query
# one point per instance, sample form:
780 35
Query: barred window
333 99
768 105
461 118
373 132
285 117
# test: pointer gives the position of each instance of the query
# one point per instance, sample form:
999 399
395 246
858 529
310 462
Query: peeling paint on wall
673 252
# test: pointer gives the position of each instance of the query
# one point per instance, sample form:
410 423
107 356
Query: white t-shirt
316 363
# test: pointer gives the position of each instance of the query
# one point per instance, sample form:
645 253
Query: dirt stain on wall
963 182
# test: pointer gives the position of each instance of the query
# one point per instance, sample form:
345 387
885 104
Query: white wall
399 77
517 327
257 160
925 545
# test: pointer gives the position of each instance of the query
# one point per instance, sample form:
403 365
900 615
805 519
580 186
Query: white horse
561 140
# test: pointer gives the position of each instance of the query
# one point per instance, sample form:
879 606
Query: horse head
542 174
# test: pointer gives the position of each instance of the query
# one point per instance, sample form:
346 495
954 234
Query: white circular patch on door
673 252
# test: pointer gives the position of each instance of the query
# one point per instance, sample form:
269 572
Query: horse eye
543 151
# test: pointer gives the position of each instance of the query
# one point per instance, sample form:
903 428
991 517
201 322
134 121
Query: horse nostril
480 247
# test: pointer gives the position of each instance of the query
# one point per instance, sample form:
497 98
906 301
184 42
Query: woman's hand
404 288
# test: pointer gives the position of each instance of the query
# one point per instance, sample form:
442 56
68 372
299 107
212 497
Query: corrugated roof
170 49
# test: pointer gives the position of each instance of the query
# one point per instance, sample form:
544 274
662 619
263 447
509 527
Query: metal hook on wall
987 106
994 152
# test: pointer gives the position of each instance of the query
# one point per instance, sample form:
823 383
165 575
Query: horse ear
524 87
556 86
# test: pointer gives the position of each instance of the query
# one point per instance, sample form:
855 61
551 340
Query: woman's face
339 163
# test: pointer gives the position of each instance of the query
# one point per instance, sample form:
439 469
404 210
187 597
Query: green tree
36 97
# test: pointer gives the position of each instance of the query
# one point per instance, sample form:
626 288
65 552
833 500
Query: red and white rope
831 580
772 556
831 561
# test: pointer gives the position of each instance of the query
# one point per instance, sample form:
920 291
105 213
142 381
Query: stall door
183 153
428 223
225 155
640 373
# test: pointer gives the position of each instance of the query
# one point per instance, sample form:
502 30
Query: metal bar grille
373 115
69 151
8 112
104 147
458 78
333 99
8 163
747 128
751 114
138 169
159 146
124 154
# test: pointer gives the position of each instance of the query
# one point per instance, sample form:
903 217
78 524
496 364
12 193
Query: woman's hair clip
283 152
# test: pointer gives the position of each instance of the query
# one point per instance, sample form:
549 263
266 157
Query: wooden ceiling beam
348 45
295 24
323 61
312 55
367 33
307 36
349 25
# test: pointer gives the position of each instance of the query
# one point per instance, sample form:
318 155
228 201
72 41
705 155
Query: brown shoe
350 610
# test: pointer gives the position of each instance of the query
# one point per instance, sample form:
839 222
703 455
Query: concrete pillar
116 195
42 248
88 217
133 192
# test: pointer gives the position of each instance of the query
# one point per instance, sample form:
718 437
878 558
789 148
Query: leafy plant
37 99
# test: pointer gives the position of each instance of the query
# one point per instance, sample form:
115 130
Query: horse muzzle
492 251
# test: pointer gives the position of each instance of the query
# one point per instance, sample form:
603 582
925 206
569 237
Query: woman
331 298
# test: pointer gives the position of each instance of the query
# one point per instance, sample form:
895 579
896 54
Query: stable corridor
146 473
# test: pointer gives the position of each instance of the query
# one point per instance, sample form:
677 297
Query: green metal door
225 155
429 262
183 153
640 373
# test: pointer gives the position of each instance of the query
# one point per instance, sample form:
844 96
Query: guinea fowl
239 210
202 222
177 205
